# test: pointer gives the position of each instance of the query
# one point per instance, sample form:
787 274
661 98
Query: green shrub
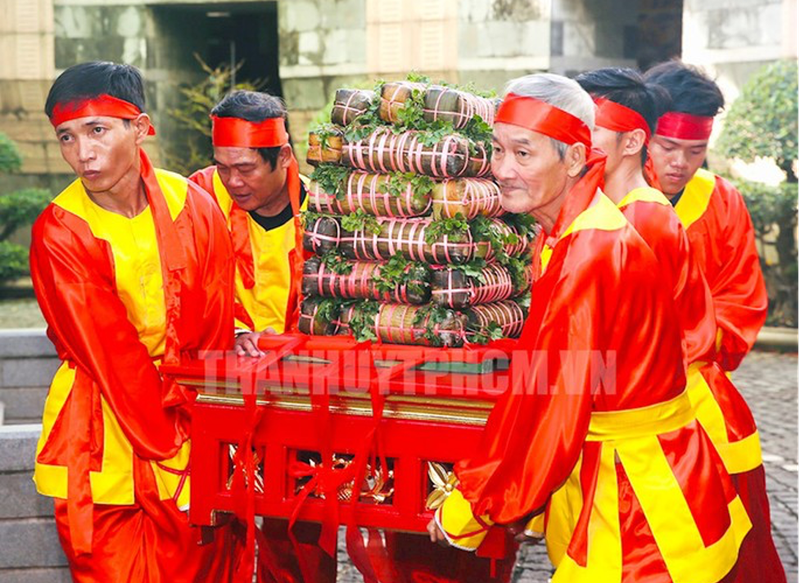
13 261
20 209
762 123
774 213
17 209
10 158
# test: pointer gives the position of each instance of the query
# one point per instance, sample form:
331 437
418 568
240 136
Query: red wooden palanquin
323 412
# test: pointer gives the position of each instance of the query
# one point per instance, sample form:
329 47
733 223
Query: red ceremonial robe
114 449
285 264
721 234
599 402
721 409
275 300
650 213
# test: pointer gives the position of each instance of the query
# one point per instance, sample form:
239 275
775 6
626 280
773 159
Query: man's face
676 161
612 145
249 178
531 175
100 150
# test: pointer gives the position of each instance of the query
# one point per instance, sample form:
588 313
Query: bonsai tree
762 123
17 209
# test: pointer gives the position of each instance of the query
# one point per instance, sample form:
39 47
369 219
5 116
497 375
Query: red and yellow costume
600 405
265 303
268 262
720 230
705 207
269 267
720 408
651 214
721 233
121 295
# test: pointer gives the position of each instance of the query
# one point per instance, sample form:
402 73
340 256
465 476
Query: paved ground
21 313
769 383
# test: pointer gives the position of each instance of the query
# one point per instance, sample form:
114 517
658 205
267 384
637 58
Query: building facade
305 49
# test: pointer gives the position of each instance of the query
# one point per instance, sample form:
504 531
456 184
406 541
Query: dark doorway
249 38
660 31
221 34
182 92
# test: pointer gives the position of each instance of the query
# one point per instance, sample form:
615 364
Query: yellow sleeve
535 526
462 529
173 477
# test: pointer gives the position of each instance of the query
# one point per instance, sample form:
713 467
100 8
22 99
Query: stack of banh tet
411 243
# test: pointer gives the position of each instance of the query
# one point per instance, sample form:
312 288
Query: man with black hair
721 236
711 209
257 184
653 500
122 261
627 111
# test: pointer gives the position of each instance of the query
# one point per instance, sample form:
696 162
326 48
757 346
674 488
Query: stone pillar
119 31
789 29
732 40
323 46
591 34
498 41
27 69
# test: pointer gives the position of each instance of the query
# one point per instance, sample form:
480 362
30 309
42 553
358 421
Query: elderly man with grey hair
597 408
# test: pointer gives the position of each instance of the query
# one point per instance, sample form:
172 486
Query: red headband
684 126
234 132
536 115
103 105
616 117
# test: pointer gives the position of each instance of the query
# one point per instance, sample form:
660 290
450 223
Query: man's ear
285 156
575 159
634 142
141 125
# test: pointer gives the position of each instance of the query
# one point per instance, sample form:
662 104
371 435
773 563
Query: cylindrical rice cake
321 235
370 193
469 197
325 147
361 283
396 323
348 104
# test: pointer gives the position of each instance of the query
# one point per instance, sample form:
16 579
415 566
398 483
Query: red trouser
279 563
758 558
148 542
413 558
407 558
